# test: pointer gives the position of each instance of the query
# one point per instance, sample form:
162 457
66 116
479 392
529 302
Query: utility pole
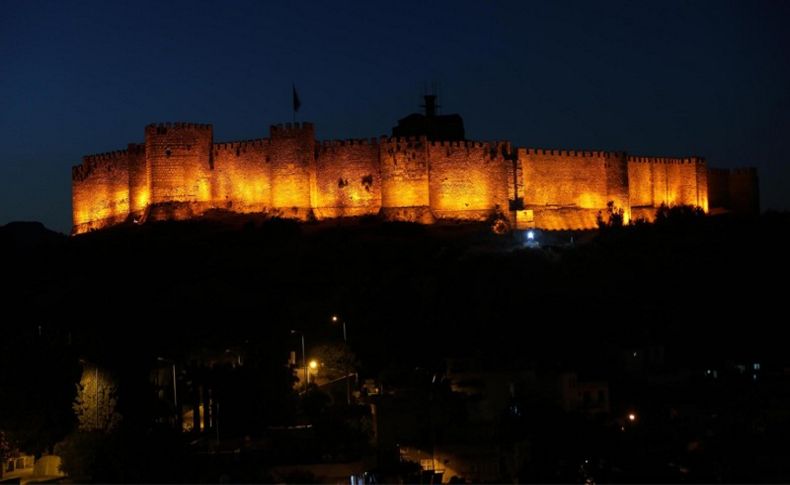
304 359
175 391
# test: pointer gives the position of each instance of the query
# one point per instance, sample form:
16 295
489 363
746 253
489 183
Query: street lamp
175 392
335 319
312 367
304 362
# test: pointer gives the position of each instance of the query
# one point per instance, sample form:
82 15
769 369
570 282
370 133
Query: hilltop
443 289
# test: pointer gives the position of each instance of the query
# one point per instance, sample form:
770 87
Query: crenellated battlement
288 130
469 144
115 160
241 145
178 125
403 140
665 160
113 155
573 153
478 150
136 148
325 145
280 127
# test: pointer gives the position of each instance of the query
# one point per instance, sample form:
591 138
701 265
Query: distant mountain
29 234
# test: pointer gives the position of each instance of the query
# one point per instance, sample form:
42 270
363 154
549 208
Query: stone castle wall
242 176
566 189
100 190
405 193
292 161
180 158
653 181
467 180
348 179
139 179
179 172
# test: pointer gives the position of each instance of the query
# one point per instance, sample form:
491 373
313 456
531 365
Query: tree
96 401
336 360
678 214
128 454
78 453
614 217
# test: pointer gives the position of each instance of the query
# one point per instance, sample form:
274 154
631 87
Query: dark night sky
654 78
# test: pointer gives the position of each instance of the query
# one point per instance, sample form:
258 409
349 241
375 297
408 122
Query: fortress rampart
179 172
653 181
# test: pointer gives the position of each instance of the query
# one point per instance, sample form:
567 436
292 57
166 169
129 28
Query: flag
297 103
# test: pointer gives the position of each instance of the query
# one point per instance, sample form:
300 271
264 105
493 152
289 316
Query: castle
179 172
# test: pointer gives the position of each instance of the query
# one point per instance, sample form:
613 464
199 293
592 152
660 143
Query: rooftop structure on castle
431 124
424 173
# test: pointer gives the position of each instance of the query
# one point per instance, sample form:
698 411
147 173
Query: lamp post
335 319
304 359
175 391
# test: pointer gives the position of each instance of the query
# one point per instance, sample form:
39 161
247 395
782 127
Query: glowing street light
313 369
631 417
336 319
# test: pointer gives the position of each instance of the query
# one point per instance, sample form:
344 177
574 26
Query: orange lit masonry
180 173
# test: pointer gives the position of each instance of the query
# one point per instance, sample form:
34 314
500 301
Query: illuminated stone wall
405 193
640 183
348 179
468 180
241 178
180 158
179 173
701 175
563 178
616 167
139 180
292 159
100 191
565 189
653 181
